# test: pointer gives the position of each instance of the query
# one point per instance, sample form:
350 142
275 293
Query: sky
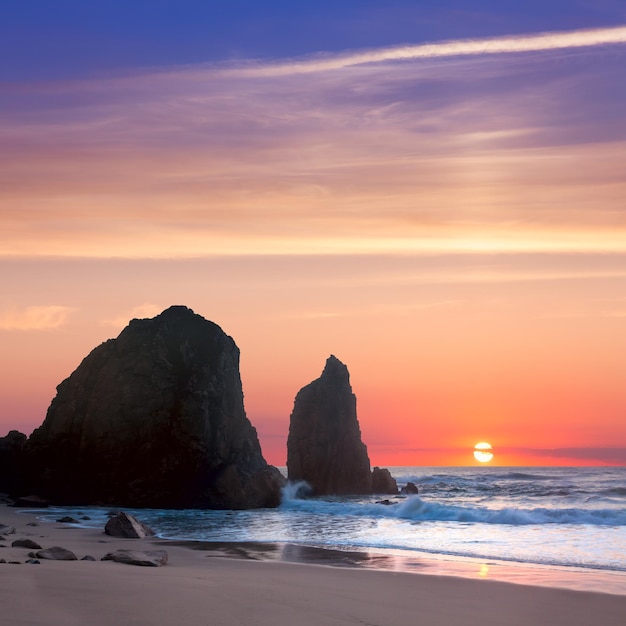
432 191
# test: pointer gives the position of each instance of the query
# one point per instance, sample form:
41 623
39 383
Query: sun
483 452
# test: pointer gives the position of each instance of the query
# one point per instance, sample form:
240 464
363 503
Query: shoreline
534 575
200 586
390 560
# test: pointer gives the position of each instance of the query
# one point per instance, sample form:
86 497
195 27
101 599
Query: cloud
434 154
35 318
142 311
466 47
600 455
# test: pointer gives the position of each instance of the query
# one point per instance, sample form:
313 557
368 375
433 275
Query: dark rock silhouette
409 489
324 446
383 481
32 501
11 454
154 418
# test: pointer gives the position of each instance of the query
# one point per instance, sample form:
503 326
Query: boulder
67 519
56 553
32 502
11 460
383 481
154 558
26 543
154 418
125 525
324 446
409 489
5 529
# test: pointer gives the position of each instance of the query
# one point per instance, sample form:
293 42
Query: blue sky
43 39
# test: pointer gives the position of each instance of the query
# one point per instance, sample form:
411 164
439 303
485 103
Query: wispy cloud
465 47
600 455
454 147
48 317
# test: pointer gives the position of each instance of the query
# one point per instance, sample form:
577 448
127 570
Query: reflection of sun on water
483 452
484 570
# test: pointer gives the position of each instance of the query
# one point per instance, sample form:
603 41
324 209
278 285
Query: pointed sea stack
324 447
154 418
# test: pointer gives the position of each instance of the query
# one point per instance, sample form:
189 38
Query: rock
56 553
32 524
68 520
85 517
127 526
155 558
33 561
26 543
88 557
409 489
11 461
324 446
3 560
385 502
154 418
34 502
5 529
383 481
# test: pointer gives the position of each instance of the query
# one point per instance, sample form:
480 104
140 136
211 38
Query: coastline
200 586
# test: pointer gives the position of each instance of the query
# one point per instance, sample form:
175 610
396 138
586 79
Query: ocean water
567 519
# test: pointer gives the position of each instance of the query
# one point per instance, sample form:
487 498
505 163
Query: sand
204 587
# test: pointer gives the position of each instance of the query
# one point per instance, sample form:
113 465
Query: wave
416 509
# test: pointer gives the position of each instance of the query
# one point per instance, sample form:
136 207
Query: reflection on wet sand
569 578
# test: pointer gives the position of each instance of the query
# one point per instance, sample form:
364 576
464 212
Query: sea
555 526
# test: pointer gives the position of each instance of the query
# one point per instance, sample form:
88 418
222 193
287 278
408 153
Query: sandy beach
204 587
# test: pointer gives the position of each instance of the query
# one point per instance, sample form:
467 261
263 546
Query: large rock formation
324 447
11 451
154 418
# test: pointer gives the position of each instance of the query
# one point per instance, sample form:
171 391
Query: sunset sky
434 191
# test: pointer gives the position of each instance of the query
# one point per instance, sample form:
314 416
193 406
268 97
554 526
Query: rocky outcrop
383 481
409 489
127 526
11 451
154 418
324 446
31 502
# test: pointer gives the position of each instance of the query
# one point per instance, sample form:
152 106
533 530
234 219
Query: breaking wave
417 509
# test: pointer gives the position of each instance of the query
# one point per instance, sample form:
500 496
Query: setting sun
483 452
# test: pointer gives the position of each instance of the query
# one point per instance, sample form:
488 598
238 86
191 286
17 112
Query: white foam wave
416 509
295 490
